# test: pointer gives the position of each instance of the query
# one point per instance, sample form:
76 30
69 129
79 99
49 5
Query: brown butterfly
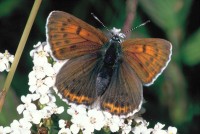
109 70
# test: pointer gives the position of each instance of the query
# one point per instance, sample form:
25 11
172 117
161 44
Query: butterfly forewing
76 79
124 94
148 57
70 37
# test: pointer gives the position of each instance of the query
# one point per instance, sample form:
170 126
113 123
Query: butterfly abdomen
110 58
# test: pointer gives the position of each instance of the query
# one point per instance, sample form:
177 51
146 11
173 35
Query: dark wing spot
141 65
73 47
54 52
64 24
115 111
78 30
68 20
54 36
157 49
156 54
151 59
147 63
62 29
67 41
58 43
61 51
144 48
64 35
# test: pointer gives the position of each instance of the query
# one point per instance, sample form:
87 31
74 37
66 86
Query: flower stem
19 51
131 6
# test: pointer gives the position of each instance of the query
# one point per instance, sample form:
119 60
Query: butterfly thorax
110 55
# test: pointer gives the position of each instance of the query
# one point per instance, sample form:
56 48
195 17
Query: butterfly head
117 35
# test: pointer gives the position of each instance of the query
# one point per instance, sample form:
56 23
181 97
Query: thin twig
131 6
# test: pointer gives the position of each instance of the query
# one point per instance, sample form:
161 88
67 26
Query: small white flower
158 129
39 54
42 88
126 127
51 108
158 126
114 123
21 127
5 60
62 123
5 130
81 122
172 130
34 116
49 70
96 118
59 110
141 128
45 112
44 99
75 128
41 71
35 97
27 104
76 109
55 109
49 81
64 131
38 72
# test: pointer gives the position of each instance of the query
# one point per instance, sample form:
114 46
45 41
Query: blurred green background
174 98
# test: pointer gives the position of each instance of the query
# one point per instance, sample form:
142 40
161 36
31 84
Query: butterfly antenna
99 21
137 26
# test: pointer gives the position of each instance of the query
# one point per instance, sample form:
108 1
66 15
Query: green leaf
161 12
167 14
190 52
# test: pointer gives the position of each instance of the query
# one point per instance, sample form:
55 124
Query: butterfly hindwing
147 56
71 37
76 79
124 93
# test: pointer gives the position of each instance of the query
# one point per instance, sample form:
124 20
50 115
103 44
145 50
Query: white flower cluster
141 128
5 60
39 106
90 120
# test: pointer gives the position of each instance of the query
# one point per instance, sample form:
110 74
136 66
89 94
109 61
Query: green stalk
19 51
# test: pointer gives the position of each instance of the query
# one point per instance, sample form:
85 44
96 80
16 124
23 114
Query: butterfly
111 70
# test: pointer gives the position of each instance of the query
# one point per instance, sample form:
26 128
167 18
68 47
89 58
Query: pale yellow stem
19 51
